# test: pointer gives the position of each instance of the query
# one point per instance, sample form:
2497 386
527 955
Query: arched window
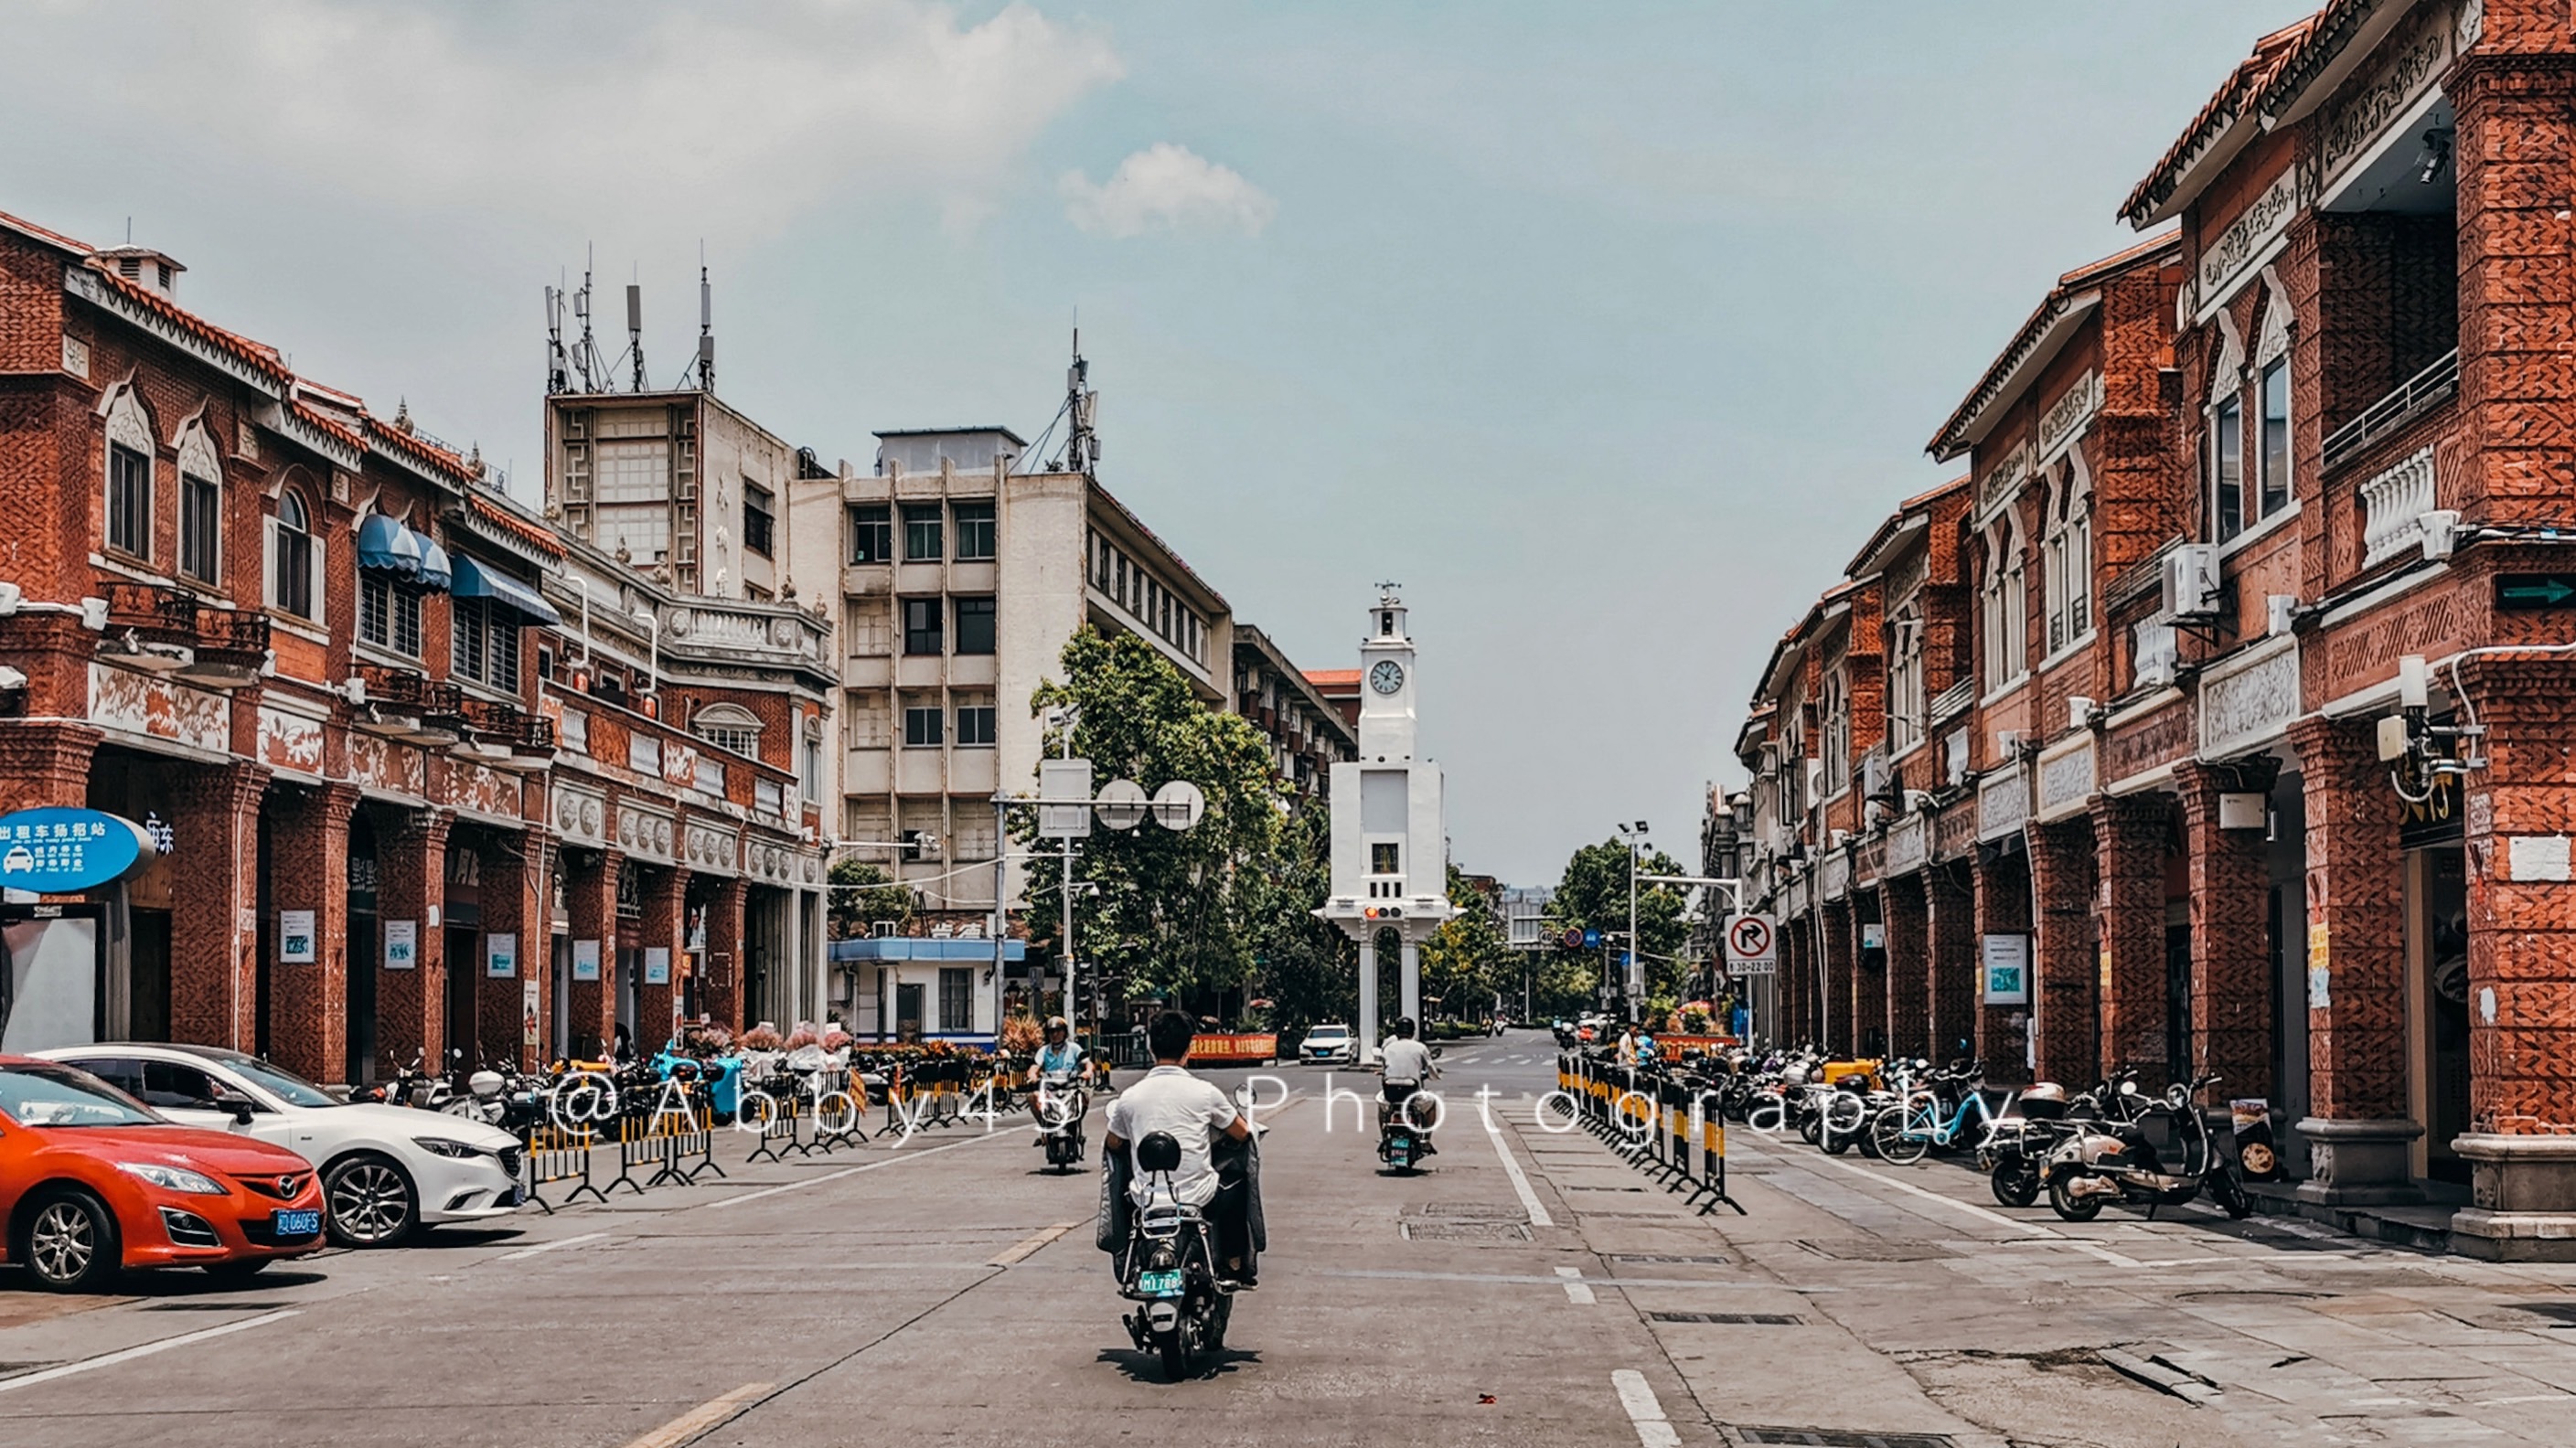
1838 737
729 727
294 556
129 474
2003 604
201 505
1905 694
2068 554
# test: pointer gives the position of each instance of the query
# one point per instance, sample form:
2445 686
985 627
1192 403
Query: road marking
1523 1278
1645 1412
1520 1180
1575 1291
1019 1250
125 1355
1953 1203
702 1418
833 1176
549 1246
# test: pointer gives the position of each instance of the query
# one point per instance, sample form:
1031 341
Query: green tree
1466 961
1593 895
1173 911
862 895
1308 968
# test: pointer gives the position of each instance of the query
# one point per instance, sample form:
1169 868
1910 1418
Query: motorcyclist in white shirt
1404 1063
1194 1112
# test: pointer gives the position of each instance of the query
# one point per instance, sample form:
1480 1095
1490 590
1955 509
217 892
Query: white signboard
585 960
402 944
2006 962
657 965
1752 945
295 942
500 955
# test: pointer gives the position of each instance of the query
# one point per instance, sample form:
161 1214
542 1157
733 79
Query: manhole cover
1874 1249
1737 1319
1838 1438
1474 1211
1435 1230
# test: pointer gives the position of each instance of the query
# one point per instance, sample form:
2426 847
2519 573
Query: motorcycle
1404 1132
2114 1161
1059 1103
1169 1269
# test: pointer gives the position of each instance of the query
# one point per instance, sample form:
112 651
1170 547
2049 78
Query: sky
1608 329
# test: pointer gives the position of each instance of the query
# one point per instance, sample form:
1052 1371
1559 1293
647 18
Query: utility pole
1635 982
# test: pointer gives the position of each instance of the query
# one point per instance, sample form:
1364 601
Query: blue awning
916 947
435 570
476 581
388 545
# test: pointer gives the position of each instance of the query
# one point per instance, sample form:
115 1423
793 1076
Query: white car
1328 1045
387 1171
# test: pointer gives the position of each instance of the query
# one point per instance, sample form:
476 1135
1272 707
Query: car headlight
441 1146
174 1178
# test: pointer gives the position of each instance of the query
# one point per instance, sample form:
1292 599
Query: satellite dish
1120 804
1179 805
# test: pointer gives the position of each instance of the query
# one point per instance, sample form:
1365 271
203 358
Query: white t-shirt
1405 1060
1172 1100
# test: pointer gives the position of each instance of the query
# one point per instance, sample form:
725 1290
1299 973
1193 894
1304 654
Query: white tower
1390 841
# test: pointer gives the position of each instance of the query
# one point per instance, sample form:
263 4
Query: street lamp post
1636 975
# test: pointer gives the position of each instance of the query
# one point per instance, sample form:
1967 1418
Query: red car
93 1182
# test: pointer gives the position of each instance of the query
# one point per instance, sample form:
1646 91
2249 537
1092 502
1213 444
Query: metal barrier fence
1663 1128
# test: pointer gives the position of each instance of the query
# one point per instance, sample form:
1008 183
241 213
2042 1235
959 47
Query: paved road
947 1291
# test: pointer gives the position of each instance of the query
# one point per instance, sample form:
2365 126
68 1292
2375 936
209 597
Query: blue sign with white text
58 851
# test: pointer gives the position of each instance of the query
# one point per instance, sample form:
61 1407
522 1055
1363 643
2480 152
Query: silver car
387 1171
1328 1045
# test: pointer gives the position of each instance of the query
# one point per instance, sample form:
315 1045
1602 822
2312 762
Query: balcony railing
2393 505
509 727
170 628
2415 396
150 614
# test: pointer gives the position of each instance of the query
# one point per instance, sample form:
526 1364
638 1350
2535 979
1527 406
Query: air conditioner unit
2191 583
881 929
2008 742
2155 660
2079 712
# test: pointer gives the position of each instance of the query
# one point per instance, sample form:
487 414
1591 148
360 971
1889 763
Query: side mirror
239 1105
1435 1053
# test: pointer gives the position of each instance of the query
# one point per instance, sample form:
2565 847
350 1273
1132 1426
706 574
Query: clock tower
1390 837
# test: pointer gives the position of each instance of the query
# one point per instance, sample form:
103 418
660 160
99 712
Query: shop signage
2066 417
2006 963
585 960
500 956
295 942
657 965
57 851
402 944
2245 241
2535 590
528 1012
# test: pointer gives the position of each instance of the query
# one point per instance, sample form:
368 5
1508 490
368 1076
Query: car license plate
286 1223
1160 1284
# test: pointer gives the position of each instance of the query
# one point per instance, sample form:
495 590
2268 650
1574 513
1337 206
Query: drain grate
1874 1249
1733 1319
1647 1257
214 1307
1417 1229
1839 1438
1473 1211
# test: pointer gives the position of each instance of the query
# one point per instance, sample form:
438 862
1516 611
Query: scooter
1059 1103
1169 1269
2115 1162
1404 1131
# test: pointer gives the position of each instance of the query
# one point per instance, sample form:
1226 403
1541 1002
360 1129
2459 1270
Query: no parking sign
1752 945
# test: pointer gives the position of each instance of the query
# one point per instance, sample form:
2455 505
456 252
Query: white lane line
2026 1229
1575 1291
549 1246
702 1418
125 1355
847 1171
1018 1250
1520 1180
1645 1412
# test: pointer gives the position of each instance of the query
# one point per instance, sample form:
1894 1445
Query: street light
1635 835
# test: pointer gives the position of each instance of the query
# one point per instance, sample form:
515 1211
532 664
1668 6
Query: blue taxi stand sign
58 851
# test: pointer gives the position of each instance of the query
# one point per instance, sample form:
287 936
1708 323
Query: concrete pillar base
2359 1163
2524 1188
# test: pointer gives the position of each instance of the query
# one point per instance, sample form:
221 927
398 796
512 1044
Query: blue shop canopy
435 570
915 947
387 545
475 581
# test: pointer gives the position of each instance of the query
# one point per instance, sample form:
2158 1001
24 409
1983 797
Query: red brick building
2263 758
354 689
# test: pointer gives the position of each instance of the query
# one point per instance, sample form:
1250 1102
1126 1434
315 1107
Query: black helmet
1404 1027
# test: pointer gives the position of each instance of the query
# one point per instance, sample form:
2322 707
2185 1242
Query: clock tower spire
1386 671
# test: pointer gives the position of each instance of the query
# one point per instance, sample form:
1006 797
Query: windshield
62 1096
294 1090
1323 1033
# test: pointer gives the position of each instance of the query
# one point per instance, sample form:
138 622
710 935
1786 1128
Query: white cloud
1169 188
724 121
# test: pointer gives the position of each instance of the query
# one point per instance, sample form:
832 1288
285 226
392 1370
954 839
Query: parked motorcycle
2115 1161
1169 1269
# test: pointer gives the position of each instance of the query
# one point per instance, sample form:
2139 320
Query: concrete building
1308 732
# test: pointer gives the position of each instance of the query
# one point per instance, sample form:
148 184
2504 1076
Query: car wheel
368 1202
69 1243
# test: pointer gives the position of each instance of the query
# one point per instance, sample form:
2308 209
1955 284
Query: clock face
1387 677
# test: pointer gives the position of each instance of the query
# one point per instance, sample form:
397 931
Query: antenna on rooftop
558 367
706 325
1082 411
585 353
635 330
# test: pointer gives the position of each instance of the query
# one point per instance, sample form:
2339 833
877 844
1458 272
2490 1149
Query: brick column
214 891
1950 963
2231 984
665 905
2064 962
722 991
2356 937
45 765
2002 886
590 909
1791 1027
2129 836
515 903
308 1005
1840 945
1909 1012
1869 980
411 879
